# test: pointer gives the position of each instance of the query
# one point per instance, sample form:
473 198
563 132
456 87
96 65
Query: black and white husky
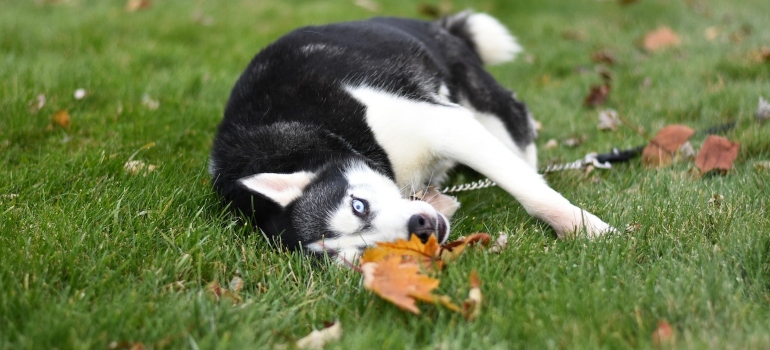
330 130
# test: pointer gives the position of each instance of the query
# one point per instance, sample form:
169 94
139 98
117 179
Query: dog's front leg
471 144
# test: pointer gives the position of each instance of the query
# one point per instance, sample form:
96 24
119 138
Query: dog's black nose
422 226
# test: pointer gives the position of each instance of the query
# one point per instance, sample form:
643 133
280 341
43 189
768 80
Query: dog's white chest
404 129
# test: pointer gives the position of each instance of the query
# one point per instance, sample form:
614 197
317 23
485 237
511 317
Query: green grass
90 255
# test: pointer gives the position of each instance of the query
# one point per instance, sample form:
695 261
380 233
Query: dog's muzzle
423 226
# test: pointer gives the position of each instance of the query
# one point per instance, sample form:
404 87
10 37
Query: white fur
493 41
420 136
389 213
281 188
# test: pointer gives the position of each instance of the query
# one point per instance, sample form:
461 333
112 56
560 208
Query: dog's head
340 210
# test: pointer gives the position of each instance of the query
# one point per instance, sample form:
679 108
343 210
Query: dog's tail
488 37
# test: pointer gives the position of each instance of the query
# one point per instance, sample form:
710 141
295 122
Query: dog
330 129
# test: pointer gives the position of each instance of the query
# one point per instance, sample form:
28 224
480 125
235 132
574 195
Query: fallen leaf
80 94
400 283
717 153
413 250
124 345
716 200
551 144
660 39
763 110
219 293
452 250
136 5
661 150
663 335
500 243
608 120
317 339
762 165
62 118
711 33
236 284
764 53
135 167
150 103
603 56
597 96
575 141
633 227
435 10
37 104
202 18
370 5
574 34
472 305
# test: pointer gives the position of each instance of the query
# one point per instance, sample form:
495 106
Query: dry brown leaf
472 305
764 53
500 243
136 167
369 5
452 250
317 339
711 33
660 151
603 56
608 120
597 96
551 144
660 39
664 334
136 5
717 153
62 118
575 141
574 34
219 293
124 345
762 165
400 283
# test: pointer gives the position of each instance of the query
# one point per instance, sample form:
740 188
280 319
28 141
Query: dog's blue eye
360 207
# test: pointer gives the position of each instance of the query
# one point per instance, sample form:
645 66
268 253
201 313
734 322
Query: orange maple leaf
412 250
400 283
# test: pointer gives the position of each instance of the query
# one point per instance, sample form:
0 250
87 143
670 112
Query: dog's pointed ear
281 188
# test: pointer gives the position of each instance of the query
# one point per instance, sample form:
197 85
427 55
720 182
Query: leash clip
592 160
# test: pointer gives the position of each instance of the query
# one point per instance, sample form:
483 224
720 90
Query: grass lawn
91 255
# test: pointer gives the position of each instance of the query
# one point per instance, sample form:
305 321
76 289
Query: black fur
289 112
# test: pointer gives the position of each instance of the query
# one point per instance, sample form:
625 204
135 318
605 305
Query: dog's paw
580 222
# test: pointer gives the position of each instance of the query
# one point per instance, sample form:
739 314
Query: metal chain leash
600 161
590 159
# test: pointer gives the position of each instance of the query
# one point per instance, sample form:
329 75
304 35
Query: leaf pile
400 272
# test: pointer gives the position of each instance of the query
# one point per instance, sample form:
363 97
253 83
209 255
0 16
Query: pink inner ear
281 188
446 205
